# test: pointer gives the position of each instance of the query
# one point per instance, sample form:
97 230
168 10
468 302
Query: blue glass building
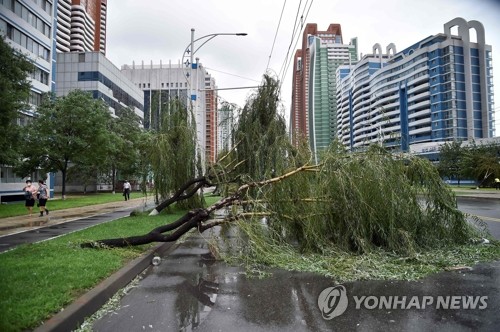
438 89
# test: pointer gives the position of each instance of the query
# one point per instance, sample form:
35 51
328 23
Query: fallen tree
355 202
351 201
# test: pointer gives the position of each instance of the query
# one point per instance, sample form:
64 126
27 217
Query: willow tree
357 202
174 156
261 137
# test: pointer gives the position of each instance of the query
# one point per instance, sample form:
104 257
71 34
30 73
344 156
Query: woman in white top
29 196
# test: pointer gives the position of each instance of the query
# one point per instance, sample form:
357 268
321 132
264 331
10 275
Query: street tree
345 203
451 160
14 94
68 131
261 137
482 162
122 155
174 156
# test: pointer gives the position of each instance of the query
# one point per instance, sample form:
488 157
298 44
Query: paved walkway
23 223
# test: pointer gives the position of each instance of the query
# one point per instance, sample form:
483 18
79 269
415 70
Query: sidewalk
18 224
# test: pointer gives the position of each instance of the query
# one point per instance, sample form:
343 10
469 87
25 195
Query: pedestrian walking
126 190
29 196
497 183
43 196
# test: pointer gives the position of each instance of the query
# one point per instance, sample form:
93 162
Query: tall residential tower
313 111
81 25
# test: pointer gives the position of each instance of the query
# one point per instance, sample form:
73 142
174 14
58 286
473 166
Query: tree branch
194 218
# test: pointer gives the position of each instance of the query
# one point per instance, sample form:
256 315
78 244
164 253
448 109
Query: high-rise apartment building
211 106
438 89
226 120
28 28
313 111
81 26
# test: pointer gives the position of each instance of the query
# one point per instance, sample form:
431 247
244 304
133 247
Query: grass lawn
71 201
40 279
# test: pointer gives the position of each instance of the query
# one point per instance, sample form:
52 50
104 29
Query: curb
73 315
477 197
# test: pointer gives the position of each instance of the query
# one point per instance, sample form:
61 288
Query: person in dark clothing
43 196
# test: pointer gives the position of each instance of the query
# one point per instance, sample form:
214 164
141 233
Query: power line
288 59
295 26
223 72
233 88
275 35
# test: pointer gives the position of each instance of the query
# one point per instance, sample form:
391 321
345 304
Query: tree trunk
64 172
192 219
181 194
113 179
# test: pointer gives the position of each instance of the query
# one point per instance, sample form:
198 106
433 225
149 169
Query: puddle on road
194 302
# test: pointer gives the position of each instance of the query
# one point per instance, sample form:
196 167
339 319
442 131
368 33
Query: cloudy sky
160 30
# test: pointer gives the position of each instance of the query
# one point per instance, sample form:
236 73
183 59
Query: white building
93 72
161 83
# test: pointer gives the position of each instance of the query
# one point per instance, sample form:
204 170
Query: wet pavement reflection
190 291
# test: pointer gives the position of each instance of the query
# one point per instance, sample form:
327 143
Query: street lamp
191 51
187 60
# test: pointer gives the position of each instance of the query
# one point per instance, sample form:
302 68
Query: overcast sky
154 30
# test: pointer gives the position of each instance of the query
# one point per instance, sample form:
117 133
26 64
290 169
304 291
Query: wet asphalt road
44 233
190 292
487 210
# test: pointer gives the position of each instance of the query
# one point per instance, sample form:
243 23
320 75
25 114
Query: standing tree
174 141
261 138
69 130
122 156
451 159
14 93
482 161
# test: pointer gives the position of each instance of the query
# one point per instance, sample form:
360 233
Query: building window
81 57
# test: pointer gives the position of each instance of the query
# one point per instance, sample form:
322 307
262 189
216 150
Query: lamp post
188 61
191 51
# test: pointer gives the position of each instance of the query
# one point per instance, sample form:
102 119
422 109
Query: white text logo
332 302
